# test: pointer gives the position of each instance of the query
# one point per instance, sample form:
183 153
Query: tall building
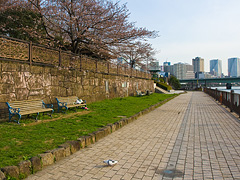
233 67
180 70
166 63
198 66
216 67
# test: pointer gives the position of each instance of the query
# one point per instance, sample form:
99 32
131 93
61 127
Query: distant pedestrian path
190 137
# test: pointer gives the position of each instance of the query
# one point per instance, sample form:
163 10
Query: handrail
229 99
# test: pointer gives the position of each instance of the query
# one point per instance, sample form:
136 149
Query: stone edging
37 163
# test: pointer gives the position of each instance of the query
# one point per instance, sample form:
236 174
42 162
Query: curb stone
12 171
2 176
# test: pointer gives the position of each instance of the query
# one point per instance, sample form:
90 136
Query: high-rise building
198 66
180 70
166 63
216 67
233 67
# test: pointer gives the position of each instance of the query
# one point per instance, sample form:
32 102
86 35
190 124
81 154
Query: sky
209 29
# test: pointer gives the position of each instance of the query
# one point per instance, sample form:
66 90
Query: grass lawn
20 142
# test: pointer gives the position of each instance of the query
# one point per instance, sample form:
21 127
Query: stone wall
20 81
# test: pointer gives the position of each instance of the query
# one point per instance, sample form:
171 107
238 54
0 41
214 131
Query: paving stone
189 137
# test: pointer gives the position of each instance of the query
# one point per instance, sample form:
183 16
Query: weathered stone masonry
20 81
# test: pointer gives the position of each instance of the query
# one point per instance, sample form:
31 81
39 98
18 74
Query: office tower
216 67
180 70
166 63
233 67
198 66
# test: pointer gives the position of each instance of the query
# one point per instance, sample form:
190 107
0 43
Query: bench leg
37 116
19 117
10 117
61 107
51 113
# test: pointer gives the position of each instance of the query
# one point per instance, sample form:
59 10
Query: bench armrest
14 110
62 103
48 105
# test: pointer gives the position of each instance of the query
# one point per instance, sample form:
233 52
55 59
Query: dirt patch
55 119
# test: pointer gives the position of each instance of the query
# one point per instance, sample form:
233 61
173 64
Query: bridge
191 83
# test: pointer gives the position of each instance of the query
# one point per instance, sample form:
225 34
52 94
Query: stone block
88 140
54 81
11 171
145 111
93 138
63 91
19 80
9 67
36 164
117 125
58 153
22 94
46 159
107 130
7 78
2 176
129 120
67 149
54 71
7 88
25 168
123 121
82 141
113 127
99 134
36 69
120 123
75 146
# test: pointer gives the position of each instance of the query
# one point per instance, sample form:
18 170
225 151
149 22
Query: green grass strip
19 142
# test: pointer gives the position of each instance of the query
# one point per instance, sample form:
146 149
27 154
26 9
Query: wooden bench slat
26 107
70 100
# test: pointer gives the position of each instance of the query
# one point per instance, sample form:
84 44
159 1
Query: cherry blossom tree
94 27
137 54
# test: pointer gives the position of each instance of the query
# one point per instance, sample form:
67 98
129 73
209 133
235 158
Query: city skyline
208 28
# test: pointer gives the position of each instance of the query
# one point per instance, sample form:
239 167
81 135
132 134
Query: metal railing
229 99
12 49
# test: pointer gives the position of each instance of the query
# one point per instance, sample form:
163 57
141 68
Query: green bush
164 86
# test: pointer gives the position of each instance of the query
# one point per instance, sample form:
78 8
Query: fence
12 49
229 99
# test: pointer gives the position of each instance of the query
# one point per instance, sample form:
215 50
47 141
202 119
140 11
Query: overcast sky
190 28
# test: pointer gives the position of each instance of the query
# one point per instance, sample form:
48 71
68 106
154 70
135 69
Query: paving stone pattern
190 137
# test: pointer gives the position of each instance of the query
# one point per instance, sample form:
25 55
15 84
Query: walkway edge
37 163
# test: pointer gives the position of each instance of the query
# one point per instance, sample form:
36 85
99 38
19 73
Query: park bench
27 107
70 102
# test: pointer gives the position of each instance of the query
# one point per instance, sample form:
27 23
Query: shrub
164 86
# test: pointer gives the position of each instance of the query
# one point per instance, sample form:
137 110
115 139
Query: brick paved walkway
190 137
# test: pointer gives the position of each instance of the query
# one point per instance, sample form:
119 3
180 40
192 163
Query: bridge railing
229 99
